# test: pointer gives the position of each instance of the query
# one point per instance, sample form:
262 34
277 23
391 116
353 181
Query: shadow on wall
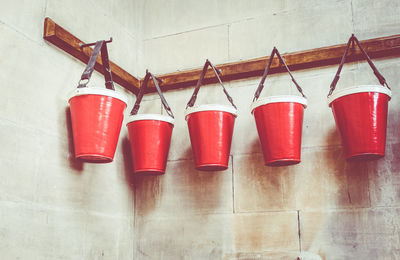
255 144
204 190
150 184
363 231
188 152
332 136
183 190
332 183
320 184
128 167
385 178
148 193
180 147
73 163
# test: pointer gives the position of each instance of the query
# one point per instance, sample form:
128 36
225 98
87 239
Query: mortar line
16 30
197 29
327 147
233 186
369 184
183 32
299 228
266 212
229 51
45 7
45 207
245 19
352 14
134 221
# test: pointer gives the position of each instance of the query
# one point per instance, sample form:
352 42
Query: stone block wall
322 208
54 207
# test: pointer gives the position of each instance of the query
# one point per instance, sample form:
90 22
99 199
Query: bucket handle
199 82
264 76
353 40
142 91
99 46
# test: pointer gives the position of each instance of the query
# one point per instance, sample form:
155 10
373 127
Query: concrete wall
324 207
54 207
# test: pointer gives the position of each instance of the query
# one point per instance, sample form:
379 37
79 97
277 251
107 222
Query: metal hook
81 46
160 81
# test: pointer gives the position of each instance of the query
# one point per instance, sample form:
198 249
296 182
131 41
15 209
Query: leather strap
200 81
143 90
100 46
266 71
106 66
352 41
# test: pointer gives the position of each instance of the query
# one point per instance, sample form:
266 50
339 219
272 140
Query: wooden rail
69 43
378 47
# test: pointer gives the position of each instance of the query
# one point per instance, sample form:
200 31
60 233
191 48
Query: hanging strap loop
352 41
200 81
143 90
266 71
100 46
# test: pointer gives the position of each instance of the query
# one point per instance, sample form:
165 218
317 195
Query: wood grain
331 55
378 47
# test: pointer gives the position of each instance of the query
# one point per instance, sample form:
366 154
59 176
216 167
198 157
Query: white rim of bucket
359 89
158 117
278 99
211 107
99 91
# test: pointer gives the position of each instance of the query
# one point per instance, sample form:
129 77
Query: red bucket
96 116
279 121
361 116
150 138
211 130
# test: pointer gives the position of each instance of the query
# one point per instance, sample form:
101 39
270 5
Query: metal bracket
81 46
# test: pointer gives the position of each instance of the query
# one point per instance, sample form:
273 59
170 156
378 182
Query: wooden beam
378 47
69 43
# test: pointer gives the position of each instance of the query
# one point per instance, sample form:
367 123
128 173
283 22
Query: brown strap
353 40
143 90
199 82
266 71
100 46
